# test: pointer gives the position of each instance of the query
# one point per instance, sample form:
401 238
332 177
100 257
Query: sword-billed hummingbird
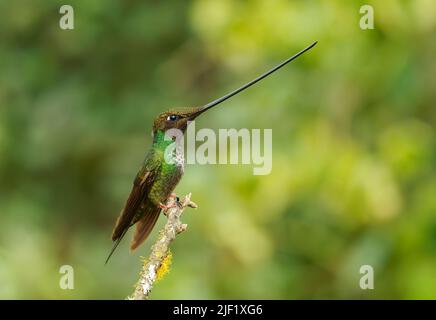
157 177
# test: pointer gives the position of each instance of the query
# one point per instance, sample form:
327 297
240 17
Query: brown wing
141 186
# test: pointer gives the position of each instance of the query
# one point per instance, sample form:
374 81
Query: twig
161 248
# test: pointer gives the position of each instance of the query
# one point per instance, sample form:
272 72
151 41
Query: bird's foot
174 196
174 204
165 207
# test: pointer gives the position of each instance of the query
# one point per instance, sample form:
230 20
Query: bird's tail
143 229
145 225
117 242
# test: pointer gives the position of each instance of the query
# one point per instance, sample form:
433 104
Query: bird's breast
179 161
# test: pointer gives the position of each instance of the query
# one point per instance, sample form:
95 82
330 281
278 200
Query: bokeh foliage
353 180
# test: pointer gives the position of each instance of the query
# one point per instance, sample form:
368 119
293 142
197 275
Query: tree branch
160 251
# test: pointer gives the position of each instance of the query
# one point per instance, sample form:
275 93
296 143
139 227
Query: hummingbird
157 177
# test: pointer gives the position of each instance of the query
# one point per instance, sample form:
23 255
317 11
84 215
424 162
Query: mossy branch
160 257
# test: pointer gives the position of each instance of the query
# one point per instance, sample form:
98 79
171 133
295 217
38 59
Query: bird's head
176 119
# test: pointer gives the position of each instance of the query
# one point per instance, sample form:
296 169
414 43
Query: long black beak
249 84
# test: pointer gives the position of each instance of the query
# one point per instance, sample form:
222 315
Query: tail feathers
117 242
144 227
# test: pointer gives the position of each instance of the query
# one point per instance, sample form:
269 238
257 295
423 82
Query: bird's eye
172 117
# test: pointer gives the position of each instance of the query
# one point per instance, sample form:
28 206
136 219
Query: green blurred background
353 179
